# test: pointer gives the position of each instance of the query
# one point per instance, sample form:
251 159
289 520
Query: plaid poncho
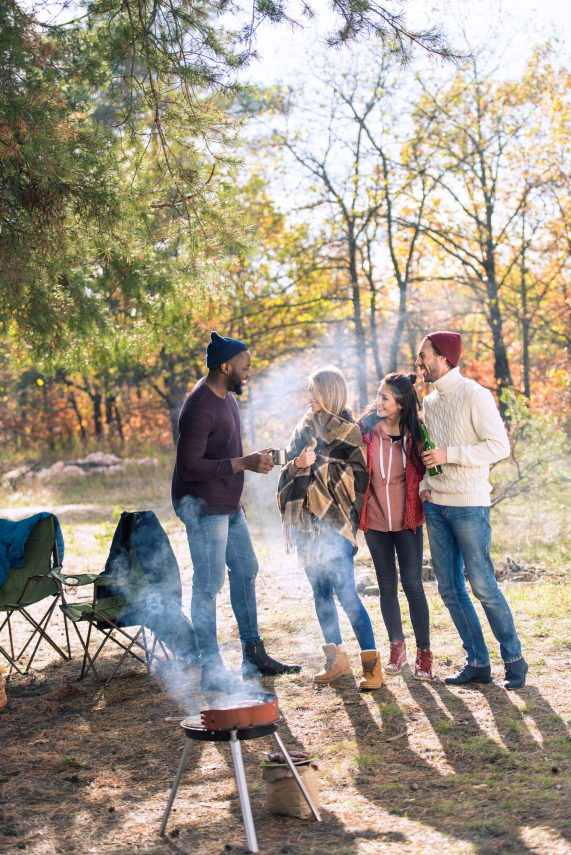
332 490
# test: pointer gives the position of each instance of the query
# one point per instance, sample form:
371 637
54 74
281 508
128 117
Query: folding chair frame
96 616
40 626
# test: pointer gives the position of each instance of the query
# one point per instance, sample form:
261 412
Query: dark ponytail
403 388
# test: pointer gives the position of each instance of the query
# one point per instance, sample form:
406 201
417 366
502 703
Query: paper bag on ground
283 795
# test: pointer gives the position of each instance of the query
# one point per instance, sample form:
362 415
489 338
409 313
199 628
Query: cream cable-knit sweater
462 417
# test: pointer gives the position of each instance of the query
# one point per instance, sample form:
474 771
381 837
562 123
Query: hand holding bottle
432 457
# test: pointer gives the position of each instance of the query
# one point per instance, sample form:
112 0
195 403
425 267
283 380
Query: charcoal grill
235 724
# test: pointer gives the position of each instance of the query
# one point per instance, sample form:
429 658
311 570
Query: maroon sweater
209 436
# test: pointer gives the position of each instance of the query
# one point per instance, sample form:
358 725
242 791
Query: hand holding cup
259 461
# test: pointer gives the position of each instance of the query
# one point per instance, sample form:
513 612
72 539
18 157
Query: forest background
327 188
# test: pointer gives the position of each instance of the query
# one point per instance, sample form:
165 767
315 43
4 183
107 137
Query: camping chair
28 585
136 602
107 615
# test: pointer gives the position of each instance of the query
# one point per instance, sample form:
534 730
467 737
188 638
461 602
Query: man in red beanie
207 485
464 423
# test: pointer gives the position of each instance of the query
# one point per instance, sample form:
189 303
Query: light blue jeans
217 542
329 567
460 539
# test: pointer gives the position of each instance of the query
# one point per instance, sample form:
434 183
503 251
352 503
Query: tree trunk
173 418
118 420
373 328
502 371
48 415
375 343
360 342
412 343
399 329
525 327
72 401
109 400
96 402
113 416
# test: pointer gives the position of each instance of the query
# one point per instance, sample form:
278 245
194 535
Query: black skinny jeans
407 545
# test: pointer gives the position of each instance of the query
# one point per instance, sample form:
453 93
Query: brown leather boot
336 664
372 670
397 658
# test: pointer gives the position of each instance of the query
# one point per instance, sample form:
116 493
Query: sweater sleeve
296 445
487 423
361 476
191 464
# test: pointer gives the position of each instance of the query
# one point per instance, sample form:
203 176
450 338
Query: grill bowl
246 713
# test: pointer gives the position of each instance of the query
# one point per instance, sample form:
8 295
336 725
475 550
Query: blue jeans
329 568
460 539
217 542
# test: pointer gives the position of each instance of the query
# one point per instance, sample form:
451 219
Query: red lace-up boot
423 664
397 658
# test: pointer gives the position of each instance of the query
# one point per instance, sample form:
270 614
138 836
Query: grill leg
297 777
180 770
236 750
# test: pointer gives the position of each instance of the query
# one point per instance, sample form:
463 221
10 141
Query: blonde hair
329 388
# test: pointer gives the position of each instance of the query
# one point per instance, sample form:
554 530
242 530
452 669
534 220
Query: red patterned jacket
414 472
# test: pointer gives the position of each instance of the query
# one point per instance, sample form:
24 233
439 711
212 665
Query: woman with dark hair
392 514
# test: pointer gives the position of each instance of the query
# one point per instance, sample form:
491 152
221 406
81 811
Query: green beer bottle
427 445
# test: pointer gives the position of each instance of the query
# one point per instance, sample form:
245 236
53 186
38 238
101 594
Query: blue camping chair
31 552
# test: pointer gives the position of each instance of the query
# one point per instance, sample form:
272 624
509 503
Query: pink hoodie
388 483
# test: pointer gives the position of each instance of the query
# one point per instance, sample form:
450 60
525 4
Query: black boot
470 674
256 662
515 674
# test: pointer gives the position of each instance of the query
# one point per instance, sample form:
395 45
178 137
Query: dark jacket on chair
142 568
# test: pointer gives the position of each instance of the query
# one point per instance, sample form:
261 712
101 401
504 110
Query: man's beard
237 387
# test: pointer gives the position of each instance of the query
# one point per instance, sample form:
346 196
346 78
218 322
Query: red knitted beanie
448 343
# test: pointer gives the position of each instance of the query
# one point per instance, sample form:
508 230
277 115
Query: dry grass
412 768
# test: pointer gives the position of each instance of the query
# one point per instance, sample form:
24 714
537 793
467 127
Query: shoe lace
423 659
395 655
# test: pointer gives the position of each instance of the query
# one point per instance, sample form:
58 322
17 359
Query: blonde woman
320 496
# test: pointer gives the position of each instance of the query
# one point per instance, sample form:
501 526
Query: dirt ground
411 768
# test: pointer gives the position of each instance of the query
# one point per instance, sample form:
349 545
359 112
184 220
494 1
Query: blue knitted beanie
221 349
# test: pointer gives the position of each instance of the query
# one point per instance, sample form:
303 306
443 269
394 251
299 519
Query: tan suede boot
372 670
336 664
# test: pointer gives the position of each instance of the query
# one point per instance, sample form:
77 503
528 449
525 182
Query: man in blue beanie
207 486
